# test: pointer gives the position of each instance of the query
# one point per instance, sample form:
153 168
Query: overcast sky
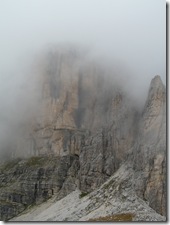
130 33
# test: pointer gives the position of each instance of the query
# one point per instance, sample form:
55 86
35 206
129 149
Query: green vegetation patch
36 161
83 194
9 165
124 217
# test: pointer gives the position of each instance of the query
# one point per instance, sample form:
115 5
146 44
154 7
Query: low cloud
126 37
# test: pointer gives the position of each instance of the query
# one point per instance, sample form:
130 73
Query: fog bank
128 36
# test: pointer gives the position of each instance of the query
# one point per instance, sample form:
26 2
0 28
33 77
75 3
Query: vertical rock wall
84 113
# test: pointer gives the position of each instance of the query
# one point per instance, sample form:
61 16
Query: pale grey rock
99 203
150 150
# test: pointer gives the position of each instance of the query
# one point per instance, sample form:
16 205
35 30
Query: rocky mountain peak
86 131
155 103
157 89
150 149
156 81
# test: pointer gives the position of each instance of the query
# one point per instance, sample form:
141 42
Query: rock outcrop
115 198
91 127
32 181
150 149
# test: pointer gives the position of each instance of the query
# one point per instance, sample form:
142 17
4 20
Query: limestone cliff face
80 102
86 115
150 149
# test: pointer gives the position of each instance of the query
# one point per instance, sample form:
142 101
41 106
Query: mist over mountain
78 125
133 39
130 47
22 96
83 110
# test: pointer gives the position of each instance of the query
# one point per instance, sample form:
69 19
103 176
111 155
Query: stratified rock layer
32 181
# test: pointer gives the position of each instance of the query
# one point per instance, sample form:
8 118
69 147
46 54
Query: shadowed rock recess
88 131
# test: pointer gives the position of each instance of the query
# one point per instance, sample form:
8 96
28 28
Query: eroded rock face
150 150
113 198
32 181
104 151
85 115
